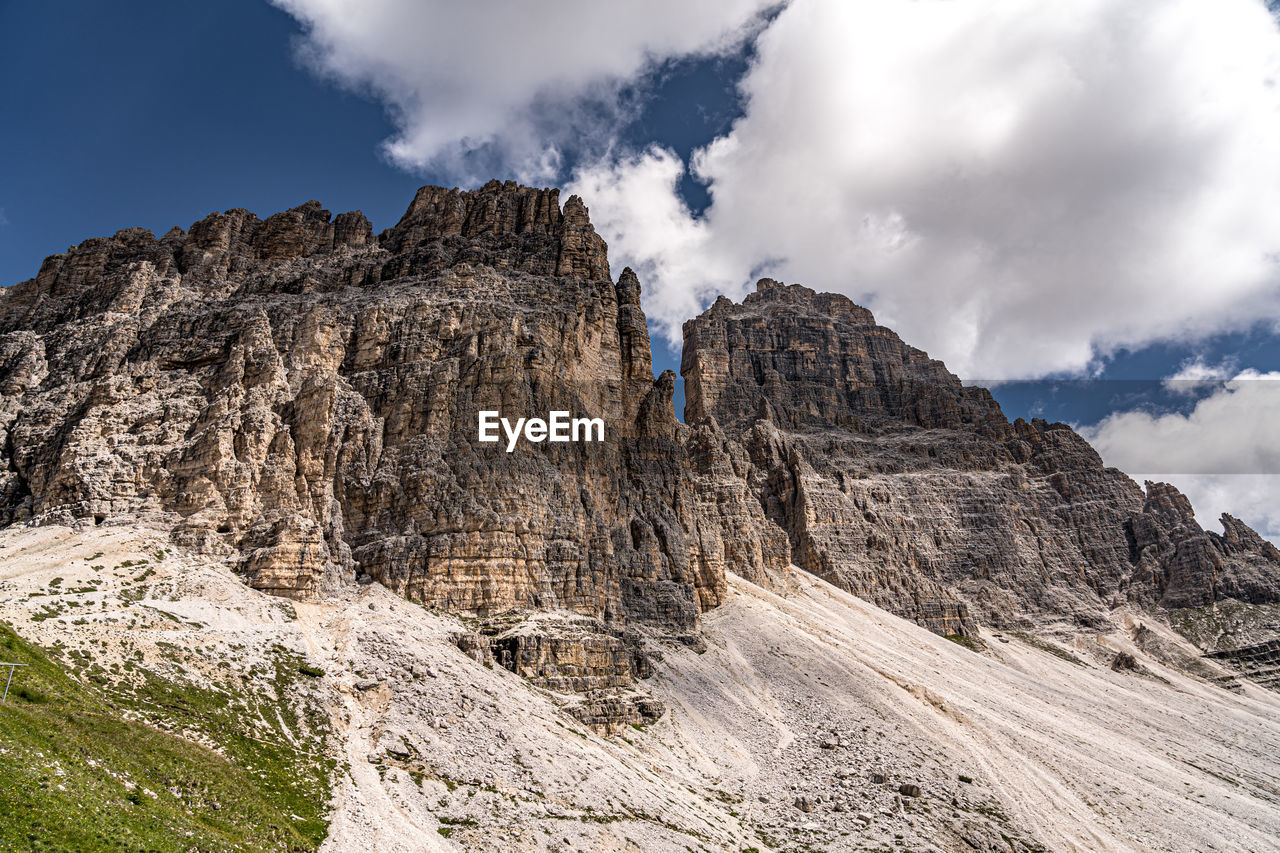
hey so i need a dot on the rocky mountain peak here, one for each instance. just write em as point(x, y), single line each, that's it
point(1240, 537)
point(301, 396)
point(517, 227)
point(770, 293)
point(1166, 502)
point(817, 361)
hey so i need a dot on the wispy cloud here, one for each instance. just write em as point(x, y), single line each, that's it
point(1196, 375)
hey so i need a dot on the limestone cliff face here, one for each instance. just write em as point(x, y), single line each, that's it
point(302, 395)
point(801, 359)
point(883, 474)
point(1180, 564)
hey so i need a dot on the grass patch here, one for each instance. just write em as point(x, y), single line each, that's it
point(1046, 646)
point(48, 611)
point(971, 643)
point(1226, 624)
point(82, 772)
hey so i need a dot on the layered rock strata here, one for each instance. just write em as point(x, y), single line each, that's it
point(302, 395)
point(1260, 663)
point(1180, 564)
point(593, 666)
point(884, 474)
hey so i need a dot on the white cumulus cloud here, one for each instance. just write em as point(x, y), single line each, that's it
point(505, 84)
point(635, 204)
point(1015, 186)
point(1224, 454)
point(1197, 370)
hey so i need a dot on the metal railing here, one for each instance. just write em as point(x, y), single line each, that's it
point(9, 680)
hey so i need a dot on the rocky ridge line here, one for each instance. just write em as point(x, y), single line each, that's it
point(888, 477)
point(297, 394)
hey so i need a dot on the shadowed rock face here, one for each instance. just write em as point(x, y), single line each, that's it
point(886, 476)
point(303, 395)
point(1179, 564)
point(801, 359)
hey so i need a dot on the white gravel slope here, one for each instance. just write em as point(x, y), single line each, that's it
point(1077, 756)
point(773, 738)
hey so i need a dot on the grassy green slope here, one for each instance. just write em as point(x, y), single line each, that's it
point(79, 770)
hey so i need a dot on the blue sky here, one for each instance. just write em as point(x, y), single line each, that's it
point(155, 114)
